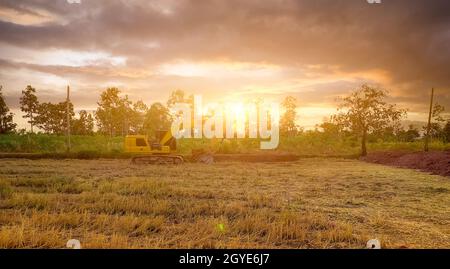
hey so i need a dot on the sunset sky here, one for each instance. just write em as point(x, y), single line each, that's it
point(314, 50)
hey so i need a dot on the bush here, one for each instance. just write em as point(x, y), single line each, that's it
point(44, 143)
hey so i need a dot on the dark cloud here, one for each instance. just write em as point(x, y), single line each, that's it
point(410, 34)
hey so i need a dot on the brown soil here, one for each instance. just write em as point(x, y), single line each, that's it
point(436, 162)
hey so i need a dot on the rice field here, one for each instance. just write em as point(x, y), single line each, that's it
point(310, 203)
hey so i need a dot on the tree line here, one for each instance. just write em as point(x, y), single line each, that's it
point(51, 118)
point(364, 113)
point(115, 114)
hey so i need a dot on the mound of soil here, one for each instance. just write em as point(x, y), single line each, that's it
point(436, 162)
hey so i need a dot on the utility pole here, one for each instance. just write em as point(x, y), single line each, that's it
point(68, 119)
point(427, 137)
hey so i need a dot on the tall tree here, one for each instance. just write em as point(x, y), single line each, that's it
point(438, 110)
point(137, 117)
point(157, 118)
point(125, 115)
point(84, 125)
point(29, 105)
point(365, 111)
point(111, 112)
point(52, 118)
point(6, 118)
point(288, 127)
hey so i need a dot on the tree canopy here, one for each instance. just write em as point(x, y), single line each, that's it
point(157, 118)
point(288, 127)
point(365, 111)
point(6, 118)
point(29, 105)
point(84, 125)
point(52, 118)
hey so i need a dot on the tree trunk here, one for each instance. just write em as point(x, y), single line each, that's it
point(363, 143)
point(31, 122)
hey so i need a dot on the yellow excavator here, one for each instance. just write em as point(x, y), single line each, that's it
point(162, 150)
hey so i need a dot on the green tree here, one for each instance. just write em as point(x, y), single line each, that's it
point(438, 110)
point(447, 132)
point(409, 135)
point(137, 117)
point(111, 113)
point(157, 118)
point(437, 123)
point(84, 125)
point(288, 127)
point(6, 118)
point(125, 115)
point(29, 104)
point(330, 128)
point(52, 118)
point(365, 111)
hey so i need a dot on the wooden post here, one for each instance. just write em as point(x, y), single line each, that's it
point(427, 137)
point(68, 119)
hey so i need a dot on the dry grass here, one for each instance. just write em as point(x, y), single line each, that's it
point(312, 203)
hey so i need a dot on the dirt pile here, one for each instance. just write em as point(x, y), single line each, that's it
point(436, 162)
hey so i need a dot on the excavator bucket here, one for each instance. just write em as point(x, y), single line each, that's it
point(202, 156)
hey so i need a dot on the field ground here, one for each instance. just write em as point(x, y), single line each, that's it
point(311, 203)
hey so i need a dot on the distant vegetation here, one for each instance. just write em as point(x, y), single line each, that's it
point(309, 143)
point(364, 121)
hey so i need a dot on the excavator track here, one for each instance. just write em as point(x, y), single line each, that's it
point(158, 159)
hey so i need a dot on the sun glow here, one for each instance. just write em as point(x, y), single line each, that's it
point(236, 110)
point(230, 120)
